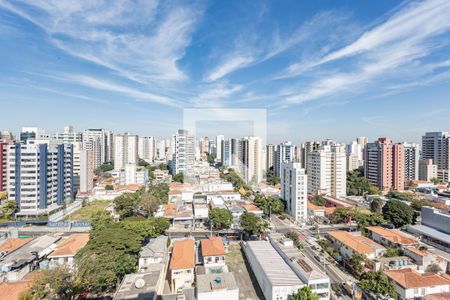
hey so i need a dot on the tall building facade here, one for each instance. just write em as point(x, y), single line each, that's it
point(412, 155)
point(68, 136)
point(7, 136)
point(204, 147)
point(33, 133)
point(184, 153)
point(125, 150)
point(284, 152)
point(327, 171)
point(229, 152)
point(270, 156)
point(219, 140)
point(294, 190)
point(308, 148)
point(436, 146)
point(147, 148)
point(427, 170)
point(100, 142)
point(251, 159)
point(3, 166)
point(86, 173)
point(354, 152)
point(385, 164)
point(40, 176)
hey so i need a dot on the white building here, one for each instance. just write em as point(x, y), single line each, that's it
point(154, 253)
point(182, 265)
point(412, 154)
point(275, 277)
point(125, 150)
point(251, 159)
point(294, 191)
point(133, 174)
point(183, 157)
point(33, 133)
point(100, 142)
point(436, 146)
point(219, 140)
point(213, 254)
point(327, 171)
point(161, 152)
point(68, 136)
point(270, 156)
point(284, 152)
point(354, 152)
point(40, 176)
point(147, 148)
point(86, 174)
point(217, 286)
point(427, 170)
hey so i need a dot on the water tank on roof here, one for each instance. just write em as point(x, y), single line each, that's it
point(218, 280)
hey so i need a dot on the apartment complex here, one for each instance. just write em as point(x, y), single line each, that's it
point(184, 153)
point(412, 155)
point(125, 150)
point(100, 142)
point(147, 148)
point(270, 156)
point(40, 175)
point(251, 159)
point(327, 171)
point(294, 191)
point(385, 164)
point(284, 152)
point(436, 146)
point(3, 166)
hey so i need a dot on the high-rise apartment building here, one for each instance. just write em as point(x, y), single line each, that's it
point(412, 155)
point(100, 142)
point(436, 146)
point(294, 190)
point(251, 159)
point(3, 165)
point(7, 136)
point(125, 150)
point(204, 147)
point(40, 175)
point(327, 171)
point(355, 156)
point(284, 152)
point(229, 152)
point(68, 136)
point(427, 170)
point(147, 148)
point(161, 152)
point(219, 140)
point(183, 157)
point(298, 153)
point(308, 148)
point(86, 173)
point(385, 164)
point(270, 156)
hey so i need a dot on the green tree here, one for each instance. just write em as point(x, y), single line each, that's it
point(221, 218)
point(149, 203)
point(252, 224)
point(393, 252)
point(398, 213)
point(143, 163)
point(364, 220)
point(8, 209)
point(400, 196)
point(377, 283)
point(146, 228)
point(178, 177)
point(126, 204)
point(417, 204)
point(109, 187)
point(59, 283)
point(294, 239)
point(376, 205)
point(435, 180)
point(271, 178)
point(110, 254)
point(357, 263)
point(319, 200)
point(100, 220)
point(210, 158)
point(161, 192)
point(3, 195)
point(305, 293)
point(358, 185)
point(342, 215)
point(105, 167)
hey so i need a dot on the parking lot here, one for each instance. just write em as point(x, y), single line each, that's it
point(248, 286)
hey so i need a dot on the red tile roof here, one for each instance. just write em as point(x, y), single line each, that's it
point(392, 235)
point(409, 278)
point(183, 254)
point(13, 244)
point(71, 245)
point(213, 246)
point(360, 244)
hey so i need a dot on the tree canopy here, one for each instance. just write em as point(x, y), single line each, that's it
point(305, 293)
point(319, 200)
point(252, 224)
point(265, 203)
point(377, 283)
point(398, 213)
point(221, 218)
point(161, 192)
point(400, 196)
point(126, 204)
point(358, 185)
point(178, 177)
point(145, 228)
point(8, 209)
point(271, 178)
point(376, 205)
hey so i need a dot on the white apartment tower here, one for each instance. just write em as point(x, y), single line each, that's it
point(251, 159)
point(427, 170)
point(147, 148)
point(284, 153)
point(219, 140)
point(270, 156)
point(327, 171)
point(183, 157)
point(412, 154)
point(40, 175)
point(436, 146)
point(125, 150)
point(100, 142)
point(68, 136)
point(294, 191)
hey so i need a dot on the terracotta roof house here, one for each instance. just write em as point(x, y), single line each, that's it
point(213, 253)
point(411, 284)
point(390, 237)
point(182, 264)
point(12, 244)
point(348, 244)
point(67, 249)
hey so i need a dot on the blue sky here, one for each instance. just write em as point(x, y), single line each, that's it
point(322, 69)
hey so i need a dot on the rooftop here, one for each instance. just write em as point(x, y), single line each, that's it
point(408, 278)
point(417, 251)
point(213, 246)
point(251, 207)
point(71, 245)
point(183, 254)
point(208, 283)
point(327, 210)
point(428, 231)
point(155, 248)
point(12, 244)
point(276, 269)
point(360, 244)
point(138, 286)
point(392, 235)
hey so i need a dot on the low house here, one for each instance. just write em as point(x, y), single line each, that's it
point(319, 211)
point(66, 250)
point(155, 252)
point(182, 264)
point(390, 237)
point(213, 253)
point(217, 286)
point(251, 208)
point(424, 258)
point(140, 286)
point(411, 284)
point(348, 244)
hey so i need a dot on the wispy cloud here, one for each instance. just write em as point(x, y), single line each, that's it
point(131, 38)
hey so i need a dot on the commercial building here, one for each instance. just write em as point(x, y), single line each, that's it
point(385, 164)
point(275, 277)
point(183, 157)
point(427, 170)
point(229, 150)
point(68, 136)
point(327, 171)
point(294, 190)
point(284, 152)
point(125, 150)
point(348, 244)
point(412, 155)
point(306, 270)
point(251, 159)
point(147, 148)
point(411, 284)
point(182, 265)
point(40, 176)
point(100, 142)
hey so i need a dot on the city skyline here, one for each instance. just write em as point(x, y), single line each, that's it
point(328, 70)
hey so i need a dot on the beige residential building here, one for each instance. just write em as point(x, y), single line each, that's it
point(251, 159)
point(427, 170)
